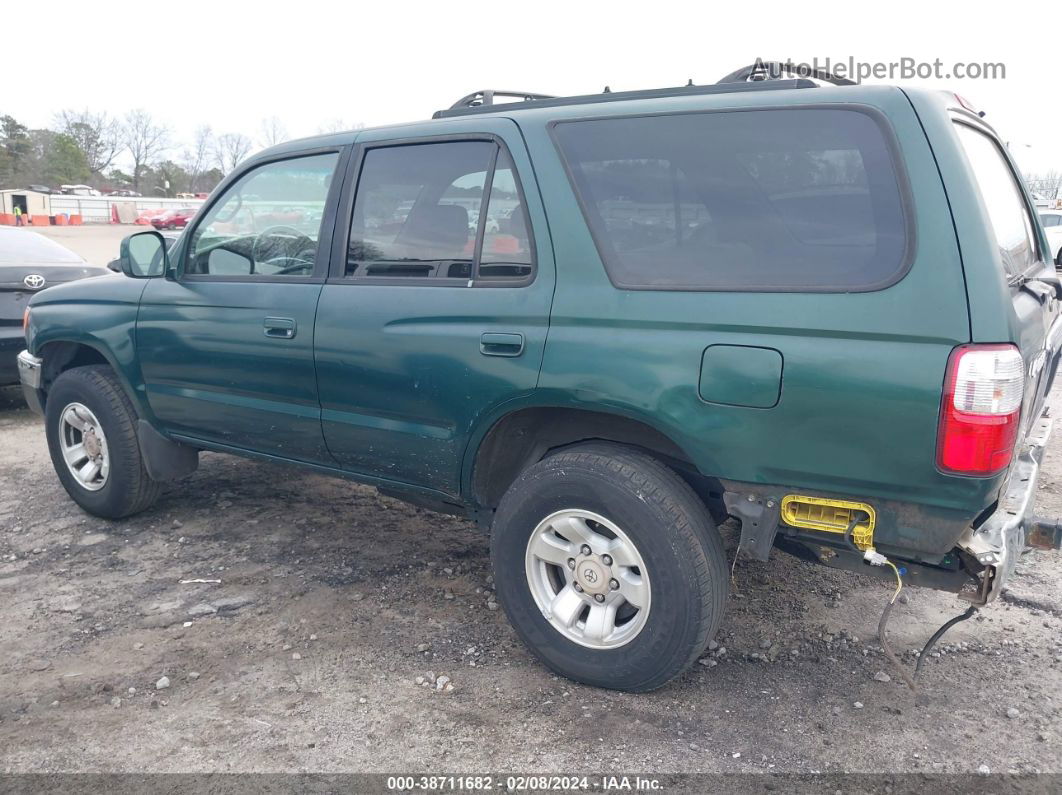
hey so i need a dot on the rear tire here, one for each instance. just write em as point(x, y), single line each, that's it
point(93, 397)
point(605, 497)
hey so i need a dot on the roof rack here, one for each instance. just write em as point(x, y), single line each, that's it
point(766, 70)
point(478, 99)
point(469, 104)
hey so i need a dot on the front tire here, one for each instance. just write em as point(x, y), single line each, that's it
point(649, 584)
point(90, 424)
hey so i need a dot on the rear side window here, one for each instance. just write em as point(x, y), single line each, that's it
point(1007, 213)
point(772, 200)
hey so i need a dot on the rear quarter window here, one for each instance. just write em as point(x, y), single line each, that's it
point(1008, 214)
point(806, 199)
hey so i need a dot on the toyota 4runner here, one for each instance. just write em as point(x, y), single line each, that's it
point(600, 325)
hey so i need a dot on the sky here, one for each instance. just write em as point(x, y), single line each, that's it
point(311, 63)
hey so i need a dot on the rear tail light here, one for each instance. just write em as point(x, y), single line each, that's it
point(981, 409)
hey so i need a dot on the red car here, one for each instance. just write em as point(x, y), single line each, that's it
point(173, 219)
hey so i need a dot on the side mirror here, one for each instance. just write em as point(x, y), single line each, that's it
point(144, 256)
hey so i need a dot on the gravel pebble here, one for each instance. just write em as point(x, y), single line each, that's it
point(163, 683)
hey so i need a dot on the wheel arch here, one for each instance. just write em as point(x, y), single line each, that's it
point(526, 434)
point(60, 355)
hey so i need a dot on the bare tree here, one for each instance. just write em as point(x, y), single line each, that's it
point(273, 132)
point(230, 149)
point(96, 134)
point(1048, 184)
point(198, 157)
point(338, 125)
point(145, 140)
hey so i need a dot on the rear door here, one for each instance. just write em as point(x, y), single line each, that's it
point(436, 309)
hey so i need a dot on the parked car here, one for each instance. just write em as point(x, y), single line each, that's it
point(824, 311)
point(174, 219)
point(1052, 223)
point(29, 263)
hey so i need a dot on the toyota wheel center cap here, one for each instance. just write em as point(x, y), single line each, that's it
point(591, 576)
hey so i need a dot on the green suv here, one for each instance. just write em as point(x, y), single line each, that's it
point(600, 326)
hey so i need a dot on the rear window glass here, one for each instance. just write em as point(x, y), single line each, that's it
point(803, 199)
point(1002, 198)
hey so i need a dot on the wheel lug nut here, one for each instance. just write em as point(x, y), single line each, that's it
point(613, 584)
point(600, 597)
point(586, 549)
point(606, 559)
point(577, 587)
point(571, 563)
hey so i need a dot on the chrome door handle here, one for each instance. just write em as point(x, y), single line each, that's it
point(281, 328)
point(500, 344)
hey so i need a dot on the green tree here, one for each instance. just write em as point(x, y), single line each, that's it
point(16, 150)
point(119, 179)
point(61, 159)
point(97, 135)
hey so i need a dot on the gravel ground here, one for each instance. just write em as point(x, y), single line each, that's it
point(260, 618)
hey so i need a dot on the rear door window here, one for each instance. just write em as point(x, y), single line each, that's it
point(450, 212)
point(1007, 212)
point(774, 200)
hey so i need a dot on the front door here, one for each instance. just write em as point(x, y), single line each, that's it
point(436, 309)
point(226, 345)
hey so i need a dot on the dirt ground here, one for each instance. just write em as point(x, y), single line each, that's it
point(339, 599)
point(324, 602)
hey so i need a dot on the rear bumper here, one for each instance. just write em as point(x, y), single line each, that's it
point(999, 541)
point(11, 342)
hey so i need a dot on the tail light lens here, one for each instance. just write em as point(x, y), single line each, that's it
point(981, 409)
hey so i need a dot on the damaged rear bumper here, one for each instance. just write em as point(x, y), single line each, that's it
point(998, 542)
